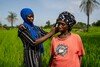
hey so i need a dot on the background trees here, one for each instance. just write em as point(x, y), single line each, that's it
point(12, 17)
point(88, 6)
point(96, 23)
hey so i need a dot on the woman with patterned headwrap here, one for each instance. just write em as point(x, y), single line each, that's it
point(32, 38)
point(67, 48)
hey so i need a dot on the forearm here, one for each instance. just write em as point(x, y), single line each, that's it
point(39, 40)
point(42, 39)
point(28, 38)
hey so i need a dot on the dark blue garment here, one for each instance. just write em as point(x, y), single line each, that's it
point(33, 30)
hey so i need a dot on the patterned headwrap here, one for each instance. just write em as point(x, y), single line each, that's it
point(68, 18)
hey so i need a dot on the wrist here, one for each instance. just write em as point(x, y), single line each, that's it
point(51, 33)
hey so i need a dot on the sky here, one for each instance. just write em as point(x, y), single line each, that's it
point(45, 10)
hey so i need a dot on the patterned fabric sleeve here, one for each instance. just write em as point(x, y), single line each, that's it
point(23, 34)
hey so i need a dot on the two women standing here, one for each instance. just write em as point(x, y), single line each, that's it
point(66, 49)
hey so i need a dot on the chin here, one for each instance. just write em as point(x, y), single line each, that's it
point(60, 30)
point(31, 21)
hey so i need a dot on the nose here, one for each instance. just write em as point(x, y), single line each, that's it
point(31, 18)
point(60, 25)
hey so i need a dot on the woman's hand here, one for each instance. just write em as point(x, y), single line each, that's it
point(54, 30)
point(21, 27)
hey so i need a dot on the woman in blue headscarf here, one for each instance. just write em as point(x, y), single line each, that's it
point(32, 38)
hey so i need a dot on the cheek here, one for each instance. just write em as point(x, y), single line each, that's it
point(27, 18)
point(62, 28)
point(65, 28)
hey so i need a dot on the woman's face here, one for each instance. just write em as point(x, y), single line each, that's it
point(30, 18)
point(62, 26)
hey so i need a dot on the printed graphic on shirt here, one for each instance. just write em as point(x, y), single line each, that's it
point(61, 49)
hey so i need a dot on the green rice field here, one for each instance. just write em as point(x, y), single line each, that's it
point(11, 48)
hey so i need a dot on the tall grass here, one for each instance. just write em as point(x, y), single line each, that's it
point(91, 42)
point(11, 48)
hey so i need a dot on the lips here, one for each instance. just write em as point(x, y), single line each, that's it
point(60, 29)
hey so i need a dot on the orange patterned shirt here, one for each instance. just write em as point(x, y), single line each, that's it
point(66, 52)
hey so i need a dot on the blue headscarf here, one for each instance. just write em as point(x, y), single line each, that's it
point(33, 30)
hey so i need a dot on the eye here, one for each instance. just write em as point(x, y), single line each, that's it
point(31, 15)
point(63, 24)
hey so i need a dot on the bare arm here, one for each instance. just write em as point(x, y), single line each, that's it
point(27, 36)
point(42, 39)
point(45, 37)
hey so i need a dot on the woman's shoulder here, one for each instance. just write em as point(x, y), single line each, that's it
point(75, 35)
point(54, 37)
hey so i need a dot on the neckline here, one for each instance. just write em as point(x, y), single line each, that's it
point(67, 37)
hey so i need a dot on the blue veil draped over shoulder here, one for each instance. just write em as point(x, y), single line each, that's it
point(33, 30)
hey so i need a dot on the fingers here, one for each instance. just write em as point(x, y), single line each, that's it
point(54, 29)
point(22, 27)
